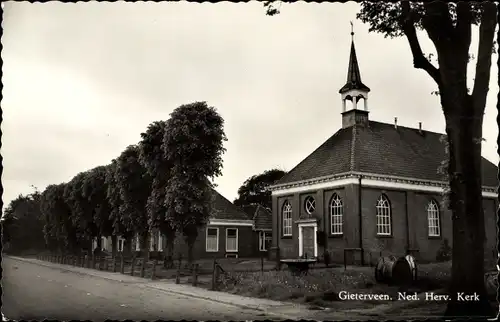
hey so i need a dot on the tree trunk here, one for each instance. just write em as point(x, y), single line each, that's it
point(464, 130)
point(190, 240)
point(168, 249)
point(145, 245)
point(114, 245)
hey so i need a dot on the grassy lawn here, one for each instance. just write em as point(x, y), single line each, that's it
point(321, 286)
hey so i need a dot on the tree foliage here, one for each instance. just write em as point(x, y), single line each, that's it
point(81, 211)
point(134, 184)
point(96, 191)
point(193, 145)
point(59, 228)
point(22, 225)
point(254, 189)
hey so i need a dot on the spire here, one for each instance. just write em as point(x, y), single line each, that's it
point(353, 74)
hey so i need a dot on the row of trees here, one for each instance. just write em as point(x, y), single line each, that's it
point(163, 183)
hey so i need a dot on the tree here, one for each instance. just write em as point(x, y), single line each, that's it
point(134, 184)
point(81, 210)
point(449, 27)
point(254, 189)
point(59, 229)
point(22, 224)
point(116, 217)
point(95, 190)
point(151, 157)
point(193, 148)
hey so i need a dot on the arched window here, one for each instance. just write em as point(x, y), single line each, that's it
point(383, 216)
point(336, 214)
point(433, 219)
point(287, 219)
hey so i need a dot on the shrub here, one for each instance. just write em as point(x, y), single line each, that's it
point(444, 252)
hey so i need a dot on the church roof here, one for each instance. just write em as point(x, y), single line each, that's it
point(353, 74)
point(381, 149)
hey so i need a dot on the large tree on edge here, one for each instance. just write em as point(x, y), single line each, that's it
point(449, 27)
point(193, 145)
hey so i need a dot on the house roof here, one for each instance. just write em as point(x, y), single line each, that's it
point(353, 74)
point(382, 149)
point(225, 209)
point(261, 216)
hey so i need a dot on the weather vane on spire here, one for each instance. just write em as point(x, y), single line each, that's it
point(352, 31)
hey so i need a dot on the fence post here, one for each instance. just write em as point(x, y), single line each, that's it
point(262, 263)
point(106, 264)
point(195, 274)
point(114, 264)
point(92, 262)
point(345, 263)
point(133, 266)
point(143, 266)
point(122, 264)
point(153, 269)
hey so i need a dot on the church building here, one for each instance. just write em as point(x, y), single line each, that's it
point(371, 189)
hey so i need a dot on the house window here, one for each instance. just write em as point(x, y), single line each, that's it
point(153, 241)
point(383, 216)
point(160, 242)
point(433, 219)
point(137, 243)
point(231, 240)
point(121, 243)
point(310, 205)
point(212, 240)
point(336, 215)
point(264, 240)
point(103, 243)
point(287, 219)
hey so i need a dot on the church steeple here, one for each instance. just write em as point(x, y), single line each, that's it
point(353, 91)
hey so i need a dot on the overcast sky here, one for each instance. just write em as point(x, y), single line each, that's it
point(83, 80)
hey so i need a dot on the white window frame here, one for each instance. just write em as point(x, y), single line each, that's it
point(206, 239)
point(384, 216)
point(122, 242)
point(160, 242)
point(287, 215)
point(103, 243)
point(262, 241)
point(137, 243)
point(310, 205)
point(336, 215)
point(237, 235)
point(433, 219)
point(151, 241)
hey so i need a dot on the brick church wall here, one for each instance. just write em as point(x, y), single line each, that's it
point(407, 230)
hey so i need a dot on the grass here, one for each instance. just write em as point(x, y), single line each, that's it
point(321, 286)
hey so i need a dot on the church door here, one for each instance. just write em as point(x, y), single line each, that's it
point(308, 242)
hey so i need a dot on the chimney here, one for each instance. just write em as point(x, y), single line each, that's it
point(420, 127)
point(396, 123)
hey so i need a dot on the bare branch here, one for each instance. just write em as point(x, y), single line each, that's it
point(485, 49)
point(419, 60)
